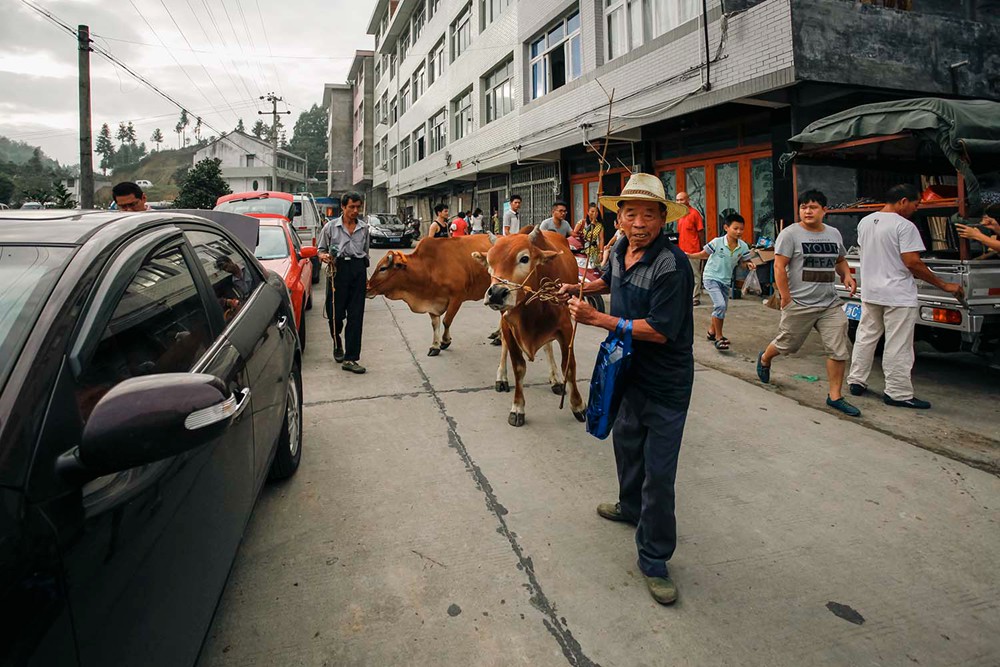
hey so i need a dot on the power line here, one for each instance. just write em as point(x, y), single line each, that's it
point(267, 41)
point(252, 55)
point(246, 30)
point(205, 69)
point(236, 38)
point(222, 61)
point(224, 42)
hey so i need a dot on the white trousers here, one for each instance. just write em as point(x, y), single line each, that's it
point(897, 323)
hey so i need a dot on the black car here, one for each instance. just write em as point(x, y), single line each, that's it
point(388, 230)
point(149, 385)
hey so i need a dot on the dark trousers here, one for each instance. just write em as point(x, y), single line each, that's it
point(348, 302)
point(647, 439)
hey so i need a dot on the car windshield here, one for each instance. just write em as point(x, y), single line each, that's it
point(271, 243)
point(27, 276)
point(272, 205)
point(384, 220)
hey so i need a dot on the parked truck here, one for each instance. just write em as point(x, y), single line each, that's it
point(951, 150)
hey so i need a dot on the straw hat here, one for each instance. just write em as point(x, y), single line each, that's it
point(645, 187)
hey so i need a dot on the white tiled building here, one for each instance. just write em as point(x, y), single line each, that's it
point(247, 164)
point(475, 100)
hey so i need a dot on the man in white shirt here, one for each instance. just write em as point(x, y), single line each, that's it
point(511, 218)
point(890, 262)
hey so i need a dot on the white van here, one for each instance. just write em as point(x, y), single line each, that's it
point(307, 223)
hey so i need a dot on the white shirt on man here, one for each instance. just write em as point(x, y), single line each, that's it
point(512, 221)
point(885, 280)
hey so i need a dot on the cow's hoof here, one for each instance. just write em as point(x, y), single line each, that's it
point(445, 346)
point(516, 419)
point(496, 342)
point(559, 389)
point(580, 416)
point(502, 386)
point(433, 352)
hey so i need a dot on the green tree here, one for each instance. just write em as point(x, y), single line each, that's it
point(130, 133)
point(122, 134)
point(157, 138)
point(105, 148)
point(181, 126)
point(275, 130)
point(202, 185)
point(7, 188)
point(240, 127)
point(259, 129)
point(197, 130)
point(309, 138)
point(62, 197)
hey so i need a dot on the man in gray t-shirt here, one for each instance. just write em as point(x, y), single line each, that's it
point(512, 217)
point(557, 223)
point(808, 260)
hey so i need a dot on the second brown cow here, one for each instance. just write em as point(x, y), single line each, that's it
point(518, 264)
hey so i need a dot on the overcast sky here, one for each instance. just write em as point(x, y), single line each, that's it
point(312, 42)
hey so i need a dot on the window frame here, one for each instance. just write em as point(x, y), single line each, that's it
point(435, 62)
point(418, 81)
point(405, 155)
point(490, 11)
point(417, 27)
point(404, 98)
point(462, 110)
point(437, 133)
point(419, 137)
point(490, 86)
point(544, 54)
point(462, 23)
point(393, 152)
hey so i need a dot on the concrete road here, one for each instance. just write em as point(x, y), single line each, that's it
point(421, 529)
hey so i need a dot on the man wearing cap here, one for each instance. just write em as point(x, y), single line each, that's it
point(651, 282)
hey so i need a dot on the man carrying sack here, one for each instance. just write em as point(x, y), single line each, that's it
point(650, 281)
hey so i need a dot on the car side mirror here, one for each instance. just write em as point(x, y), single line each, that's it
point(150, 418)
point(307, 251)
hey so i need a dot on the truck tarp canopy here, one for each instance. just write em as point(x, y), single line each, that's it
point(964, 130)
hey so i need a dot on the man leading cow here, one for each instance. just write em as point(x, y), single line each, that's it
point(651, 283)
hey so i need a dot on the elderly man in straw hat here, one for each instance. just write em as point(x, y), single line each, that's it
point(651, 282)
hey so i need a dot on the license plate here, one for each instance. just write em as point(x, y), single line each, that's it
point(853, 311)
point(394, 239)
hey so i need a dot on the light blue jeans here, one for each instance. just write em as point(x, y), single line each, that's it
point(719, 293)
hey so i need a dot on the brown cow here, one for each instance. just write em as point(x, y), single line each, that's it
point(435, 278)
point(518, 263)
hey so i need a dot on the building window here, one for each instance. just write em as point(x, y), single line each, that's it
point(404, 45)
point(378, 154)
point(392, 160)
point(392, 65)
point(359, 115)
point(439, 131)
point(378, 112)
point(419, 144)
point(461, 33)
point(385, 108)
point(668, 14)
point(461, 111)
point(404, 98)
point(385, 150)
point(418, 24)
point(435, 63)
point(499, 92)
point(629, 25)
point(418, 82)
point(556, 56)
point(404, 153)
point(432, 8)
point(489, 10)
point(393, 112)
point(378, 70)
point(361, 154)
point(250, 160)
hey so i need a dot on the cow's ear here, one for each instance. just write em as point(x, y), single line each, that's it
point(481, 258)
point(547, 255)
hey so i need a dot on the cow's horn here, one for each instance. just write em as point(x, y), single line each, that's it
point(493, 238)
point(535, 234)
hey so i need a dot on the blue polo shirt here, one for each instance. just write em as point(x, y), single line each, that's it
point(657, 289)
point(722, 261)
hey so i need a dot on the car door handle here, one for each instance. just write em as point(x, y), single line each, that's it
point(282, 322)
point(231, 408)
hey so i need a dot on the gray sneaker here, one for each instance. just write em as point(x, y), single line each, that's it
point(663, 589)
point(353, 366)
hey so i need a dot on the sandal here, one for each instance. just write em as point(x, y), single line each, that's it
point(710, 336)
point(722, 344)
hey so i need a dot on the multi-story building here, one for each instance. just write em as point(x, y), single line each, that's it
point(338, 99)
point(475, 100)
point(249, 164)
point(361, 78)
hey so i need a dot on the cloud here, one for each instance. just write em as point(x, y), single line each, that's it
point(221, 79)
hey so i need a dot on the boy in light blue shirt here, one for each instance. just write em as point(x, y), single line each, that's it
point(723, 253)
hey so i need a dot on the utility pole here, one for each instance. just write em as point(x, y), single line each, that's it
point(86, 140)
point(274, 113)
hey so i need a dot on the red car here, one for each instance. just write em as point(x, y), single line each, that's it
point(279, 250)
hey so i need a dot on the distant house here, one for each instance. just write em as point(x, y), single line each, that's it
point(247, 164)
point(72, 184)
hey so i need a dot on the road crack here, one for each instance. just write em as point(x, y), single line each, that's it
point(555, 625)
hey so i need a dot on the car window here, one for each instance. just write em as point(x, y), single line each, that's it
point(158, 326)
point(227, 269)
point(297, 244)
point(27, 276)
point(271, 243)
point(273, 205)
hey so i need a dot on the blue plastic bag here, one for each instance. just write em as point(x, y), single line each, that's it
point(606, 384)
